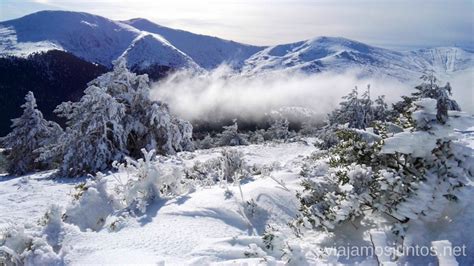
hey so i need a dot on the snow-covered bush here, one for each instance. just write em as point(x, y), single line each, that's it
point(328, 136)
point(406, 175)
point(278, 130)
point(361, 112)
point(230, 136)
point(206, 143)
point(98, 203)
point(29, 133)
point(274, 240)
point(431, 150)
point(147, 182)
point(53, 226)
point(38, 245)
point(310, 127)
point(233, 165)
point(229, 167)
point(205, 173)
point(337, 197)
point(279, 242)
point(23, 248)
point(257, 136)
point(265, 170)
point(354, 112)
point(92, 206)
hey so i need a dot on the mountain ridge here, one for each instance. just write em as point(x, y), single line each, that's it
point(100, 40)
point(146, 44)
point(338, 54)
point(197, 46)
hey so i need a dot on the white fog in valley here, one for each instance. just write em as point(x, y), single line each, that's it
point(223, 94)
point(463, 90)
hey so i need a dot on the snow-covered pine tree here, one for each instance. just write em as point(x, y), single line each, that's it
point(309, 127)
point(116, 117)
point(29, 132)
point(366, 107)
point(231, 136)
point(445, 103)
point(353, 110)
point(257, 136)
point(94, 136)
point(430, 88)
point(360, 112)
point(380, 109)
point(278, 130)
point(206, 143)
point(147, 123)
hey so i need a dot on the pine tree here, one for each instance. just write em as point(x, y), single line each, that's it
point(95, 136)
point(206, 143)
point(231, 136)
point(29, 133)
point(147, 123)
point(366, 107)
point(380, 109)
point(430, 88)
point(116, 118)
point(278, 129)
point(445, 103)
point(354, 111)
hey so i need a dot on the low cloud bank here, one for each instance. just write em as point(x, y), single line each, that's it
point(463, 89)
point(222, 94)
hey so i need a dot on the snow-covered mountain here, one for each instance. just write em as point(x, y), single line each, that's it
point(151, 49)
point(100, 40)
point(447, 59)
point(340, 54)
point(93, 38)
point(146, 45)
point(208, 52)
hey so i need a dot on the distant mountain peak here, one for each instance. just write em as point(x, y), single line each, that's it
point(338, 54)
point(149, 49)
point(207, 51)
point(144, 43)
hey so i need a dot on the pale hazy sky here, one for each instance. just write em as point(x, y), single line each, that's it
point(399, 24)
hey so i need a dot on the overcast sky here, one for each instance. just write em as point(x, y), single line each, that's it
point(397, 24)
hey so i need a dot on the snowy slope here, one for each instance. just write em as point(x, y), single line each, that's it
point(93, 38)
point(209, 52)
point(447, 59)
point(206, 226)
point(200, 227)
point(320, 53)
point(340, 54)
point(151, 49)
